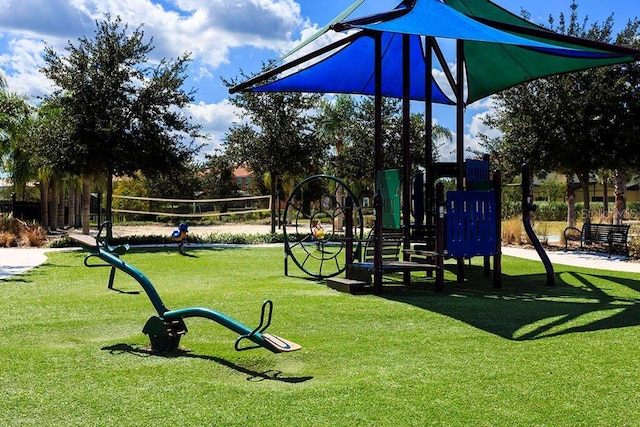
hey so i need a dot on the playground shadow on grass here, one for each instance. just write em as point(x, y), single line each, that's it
point(527, 309)
point(253, 376)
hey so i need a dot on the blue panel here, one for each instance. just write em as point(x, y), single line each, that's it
point(471, 223)
point(477, 170)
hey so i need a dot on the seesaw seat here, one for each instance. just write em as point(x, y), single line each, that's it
point(281, 344)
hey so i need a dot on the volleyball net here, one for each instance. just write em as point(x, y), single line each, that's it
point(190, 208)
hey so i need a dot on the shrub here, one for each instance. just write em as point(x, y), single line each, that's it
point(512, 230)
point(8, 240)
point(369, 220)
point(634, 248)
point(551, 211)
point(34, 236)
point(511, 209)
point(212, 238)
point(15, 232)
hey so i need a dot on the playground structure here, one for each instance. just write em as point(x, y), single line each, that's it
point(166, 329)
point(395, 52)
point(464, 225)
point(320, 212)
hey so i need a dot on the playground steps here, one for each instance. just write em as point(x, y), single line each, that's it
point(352, 286)
point(357, 281)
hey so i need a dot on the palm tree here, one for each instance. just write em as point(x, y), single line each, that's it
point(15, 124)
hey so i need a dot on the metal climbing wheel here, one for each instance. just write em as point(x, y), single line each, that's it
point(314, 225)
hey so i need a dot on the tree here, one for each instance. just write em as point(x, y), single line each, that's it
point(50, 151)
point(276, 137)
point(15, 124)
point(576, 123)
point(217, 178)
point(347, 124)
point(125, 115)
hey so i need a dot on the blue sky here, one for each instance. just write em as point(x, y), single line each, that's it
point(223, 36)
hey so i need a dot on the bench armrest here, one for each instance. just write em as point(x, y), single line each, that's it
point(571, 233)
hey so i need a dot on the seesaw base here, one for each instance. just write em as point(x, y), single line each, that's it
point(164, 335)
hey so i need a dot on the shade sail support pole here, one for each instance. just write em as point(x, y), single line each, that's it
point(379, 163)
point(460, 133)
point(443, 64)
point(428, 132)
point(406, 148)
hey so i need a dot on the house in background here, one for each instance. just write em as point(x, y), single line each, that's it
point(543, 188)
point(242, 178)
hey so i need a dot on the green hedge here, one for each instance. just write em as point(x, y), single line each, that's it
point(546, 211)
point(557, 211)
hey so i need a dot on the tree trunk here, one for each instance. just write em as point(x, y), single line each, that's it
point(72, 206)
point(86, 205)
point(109, 201)
point(78, 222)
point(44, 203)
point(571, 203)
point(586, 212)
point(605, 194)
point(55, 188)
point(274, 186)
point(620, 189)
point(61, 199)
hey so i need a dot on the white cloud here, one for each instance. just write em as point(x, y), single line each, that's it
point(440, 78)
point(476, 128)
point(21, 63)
point(216, 119)
point(482, 104)
point(206, 28)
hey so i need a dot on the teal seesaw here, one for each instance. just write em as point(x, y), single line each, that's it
point(166, 329)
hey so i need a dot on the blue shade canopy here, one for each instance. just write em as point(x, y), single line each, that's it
point(433, 18)
point(351, 70)
point(500, 50)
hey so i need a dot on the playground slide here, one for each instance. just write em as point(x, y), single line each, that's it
point(166, 329)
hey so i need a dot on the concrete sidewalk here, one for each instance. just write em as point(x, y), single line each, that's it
point(16, 261)
point(598, 261)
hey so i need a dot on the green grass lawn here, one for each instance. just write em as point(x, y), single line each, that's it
point(73, 354)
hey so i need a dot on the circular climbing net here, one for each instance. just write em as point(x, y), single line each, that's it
point(315, 225)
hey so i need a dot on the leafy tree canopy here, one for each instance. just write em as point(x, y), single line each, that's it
point(347, 124)
point(575, 123)
point(124, 113)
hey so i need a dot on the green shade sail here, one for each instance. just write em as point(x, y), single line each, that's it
point(493, 67)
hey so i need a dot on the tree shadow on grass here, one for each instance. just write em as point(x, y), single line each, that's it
point(253, 376)
point(526, 309)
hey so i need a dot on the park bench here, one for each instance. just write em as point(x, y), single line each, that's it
point(614, 237)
